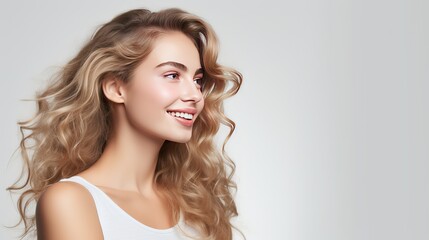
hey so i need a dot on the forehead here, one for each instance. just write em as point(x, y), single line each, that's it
point(176, 47)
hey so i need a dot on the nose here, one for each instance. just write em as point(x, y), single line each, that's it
point(190, 91)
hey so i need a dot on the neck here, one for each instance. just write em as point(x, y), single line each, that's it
point(128, 161)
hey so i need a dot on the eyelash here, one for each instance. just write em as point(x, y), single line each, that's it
point(198, 81)
point(171, 74)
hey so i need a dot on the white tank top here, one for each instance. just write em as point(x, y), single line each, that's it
point(117, 224)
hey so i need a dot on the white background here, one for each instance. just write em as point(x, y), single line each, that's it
point(332, 138)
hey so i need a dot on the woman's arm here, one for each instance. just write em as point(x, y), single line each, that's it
point(66, 211)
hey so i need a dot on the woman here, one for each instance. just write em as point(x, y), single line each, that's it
point(122, 145)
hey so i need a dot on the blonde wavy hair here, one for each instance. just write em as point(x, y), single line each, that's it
point(73, 122)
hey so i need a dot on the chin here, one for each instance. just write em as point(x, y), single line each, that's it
point(180, 139)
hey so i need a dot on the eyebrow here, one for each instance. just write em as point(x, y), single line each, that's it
point(179, 66)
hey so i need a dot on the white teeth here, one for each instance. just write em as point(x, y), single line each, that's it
point(182, 115)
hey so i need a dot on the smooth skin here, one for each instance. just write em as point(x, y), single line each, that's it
point(168, 79)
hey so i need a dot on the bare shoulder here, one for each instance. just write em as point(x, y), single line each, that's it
point(66, 210)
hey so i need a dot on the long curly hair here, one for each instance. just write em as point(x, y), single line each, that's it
point(73, 122)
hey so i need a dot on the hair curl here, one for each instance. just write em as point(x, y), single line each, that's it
point(73, 122)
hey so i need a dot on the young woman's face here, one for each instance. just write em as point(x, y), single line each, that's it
point(163, 98)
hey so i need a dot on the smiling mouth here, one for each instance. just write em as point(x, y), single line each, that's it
point(183, 115)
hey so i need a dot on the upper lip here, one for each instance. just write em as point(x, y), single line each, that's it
point(185, 110)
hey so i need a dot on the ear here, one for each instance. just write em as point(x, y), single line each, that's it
point(113, 89)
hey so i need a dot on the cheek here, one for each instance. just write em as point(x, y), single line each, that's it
point(200, 107)
point(163, 95)
point(153, 93)
point(201, 104)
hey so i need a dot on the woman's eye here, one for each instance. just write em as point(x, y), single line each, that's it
point(199, 82)
point(172, 75)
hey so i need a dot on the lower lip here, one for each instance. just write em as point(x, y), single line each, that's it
point(184, 122)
